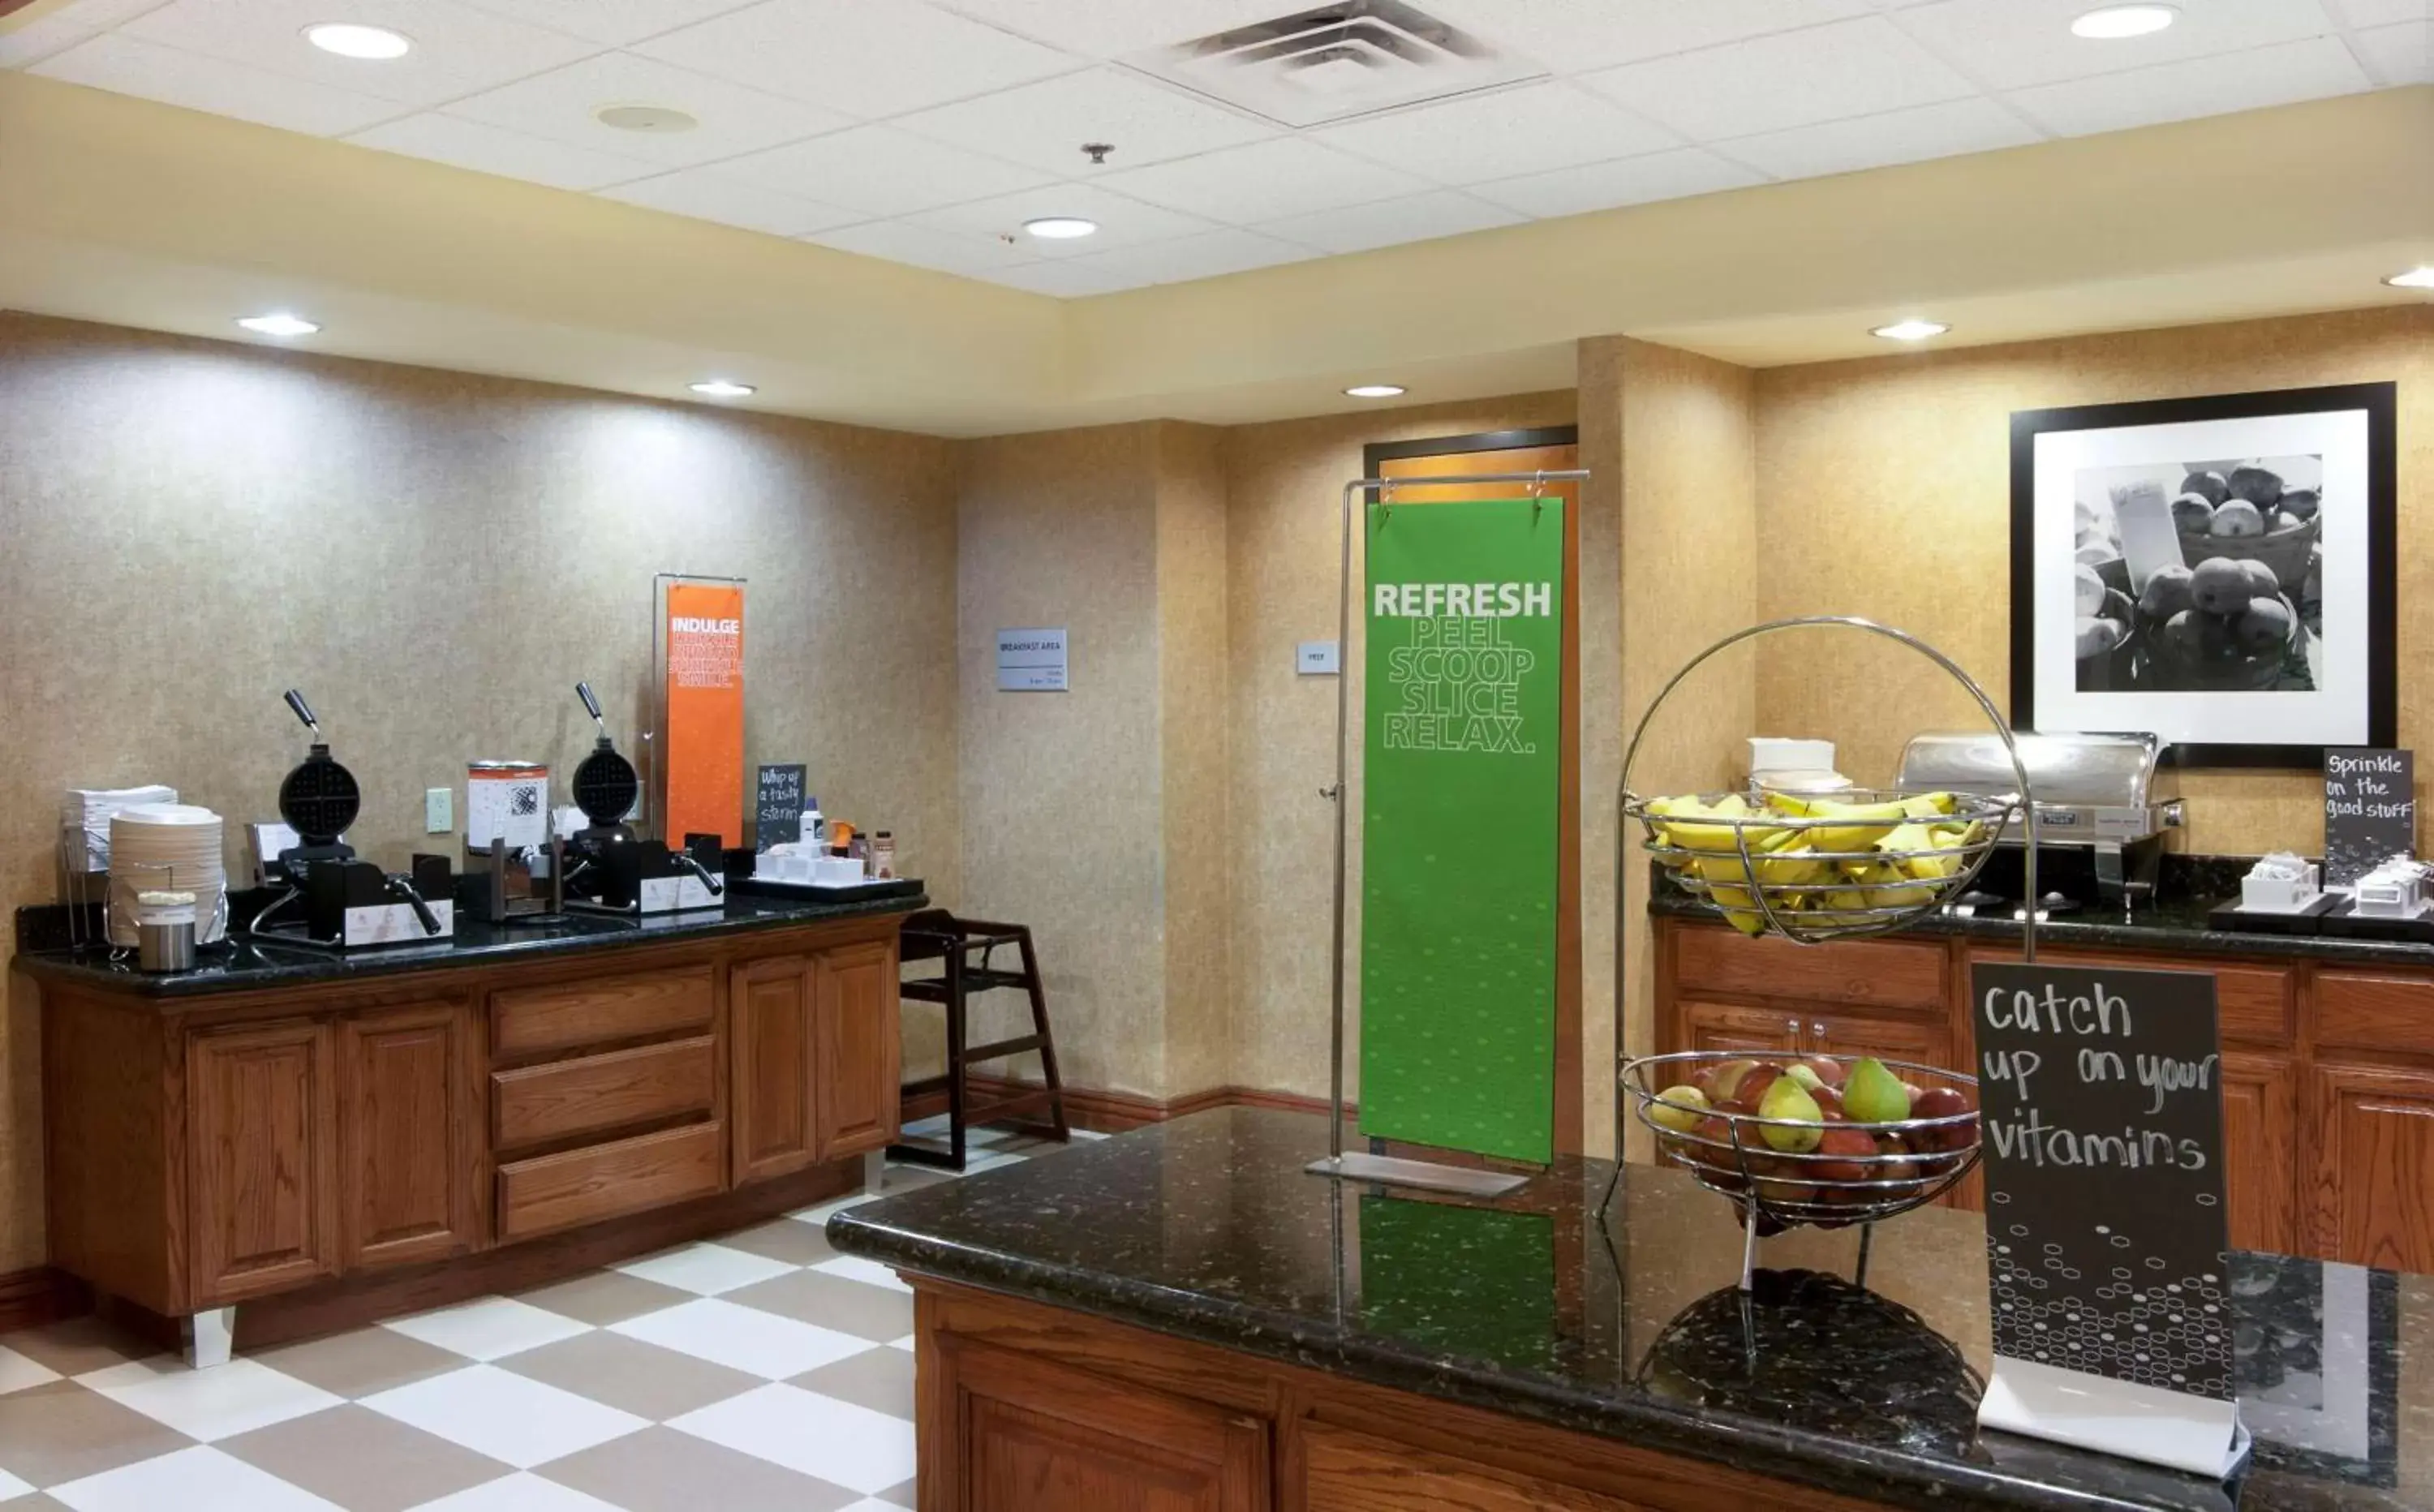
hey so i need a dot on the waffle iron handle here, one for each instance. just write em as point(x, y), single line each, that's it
point(591, 706)
point(304, 711)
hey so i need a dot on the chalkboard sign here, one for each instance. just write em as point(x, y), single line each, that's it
point(2370, 810)
point(778, 807)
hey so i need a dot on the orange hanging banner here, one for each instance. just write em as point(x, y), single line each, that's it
point(704, 751)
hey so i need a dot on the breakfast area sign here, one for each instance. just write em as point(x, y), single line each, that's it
point(2100, 1094)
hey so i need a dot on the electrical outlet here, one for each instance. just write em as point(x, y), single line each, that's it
point(438, 810)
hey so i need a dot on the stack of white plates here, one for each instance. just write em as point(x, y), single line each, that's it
point(165, 847)
point(85, 815)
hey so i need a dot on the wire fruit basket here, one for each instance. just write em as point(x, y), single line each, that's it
point(1823, 867)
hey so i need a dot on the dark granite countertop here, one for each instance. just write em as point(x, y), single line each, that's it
point(249, 965)
point(1208, 1229)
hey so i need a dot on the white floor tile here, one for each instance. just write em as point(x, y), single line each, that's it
point(507, 1417)
point(989, 1162)
point(17, 1372)
point(908, 1344)
point(870, 1272)
point(489, 1329)
point(817, 1216)
point(11, 1487)
point(1088, 1134)
point(811, 1435)
point(743, 1338)
point(519, 1492)
point(706, 1269)
point(211, 1404)
point(200, 1479)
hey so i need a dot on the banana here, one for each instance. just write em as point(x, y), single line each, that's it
point(1927, 804)
point(1856, 827)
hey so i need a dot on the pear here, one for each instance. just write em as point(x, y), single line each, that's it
point(1874, 1095)
point(1802, 1072)
point(1678, 1108)
point(1787, 1099)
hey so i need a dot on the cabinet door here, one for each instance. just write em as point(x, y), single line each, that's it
point(1925, 1042)
point(2260, 1136)
point(2375, 1167)
point(1727, 1026)
point(770, 1082)
point(856, 1091)
point(1038, 1437)
point(261, 1120)
point(409, 1142)
point(1344, 1471)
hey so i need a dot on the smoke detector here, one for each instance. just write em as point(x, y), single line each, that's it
point(1335, 62)
point(663, 119)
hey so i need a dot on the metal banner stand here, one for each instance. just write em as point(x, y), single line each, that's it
point(1361, 1166)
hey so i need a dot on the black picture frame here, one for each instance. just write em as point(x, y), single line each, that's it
point(2379, 400)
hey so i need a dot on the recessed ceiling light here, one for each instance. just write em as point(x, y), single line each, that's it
point(2113, 22)
point(2420, 276)
point(722, 388)
point(279, 323)
point(348, 39)
point(1911, 330)
point(657, 118)
point(1375, 390)
point(1061, 228)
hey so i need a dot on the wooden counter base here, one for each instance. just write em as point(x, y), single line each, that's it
point(1028, 1408)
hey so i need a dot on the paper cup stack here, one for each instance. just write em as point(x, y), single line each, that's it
point(159, 847)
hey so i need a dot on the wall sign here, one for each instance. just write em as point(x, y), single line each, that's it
point(1316, 658)
point(2101, 1114)
point(777, 806)
point(2370, 810)
point(1031, 661)
point(703, 653)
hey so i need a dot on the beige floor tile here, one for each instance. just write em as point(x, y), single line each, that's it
point(880, 1380)
point(360, 1362)
point(871, 1313)
point(904, 1495)
point(363, 1461)
point(630, 1375)
point(797, 1244)
point(660, 1469)
point(61, 1431)
point(603, 1297)
point(80, 1344)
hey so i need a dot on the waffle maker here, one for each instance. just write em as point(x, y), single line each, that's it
point(608, 867)
point(346, 902)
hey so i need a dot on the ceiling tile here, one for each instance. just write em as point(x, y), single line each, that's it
point(880, 171)
point(1500, 134)
point(1064, 278)
point(1264, 181)
point(2015, 44)
point(863, 57)
point(2307, 70)
point(614, 22)
point(457, 50)
point(1879, 141)
point(560, 105)
point(1122, 222)
point(902, 242)
point(704, 195)
point(509, 154)
point(1414, 218)
point(1045, 124)
point(1604, 185)
point(1774, 83)
point(54, 31)
point(124, 65)
point(1112, 28)
point(2384, 12)
point(2399, 55)
point(1570, 36)
point(1204, 256)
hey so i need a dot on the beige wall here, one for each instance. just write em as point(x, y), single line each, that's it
point(435, 558)
point(1194, 750)
point(1885, 492)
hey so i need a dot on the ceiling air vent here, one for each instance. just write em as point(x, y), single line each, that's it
point(1335, 62)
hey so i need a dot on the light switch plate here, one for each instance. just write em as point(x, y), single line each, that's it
point(438, 810)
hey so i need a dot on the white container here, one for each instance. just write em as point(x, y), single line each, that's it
point(2280, 894)
point(2395, 890)
point(1771, 754)
point(837, 871)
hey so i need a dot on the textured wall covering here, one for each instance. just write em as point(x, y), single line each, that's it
point(1886, 493)
point(1194, 747)
point(435, 558)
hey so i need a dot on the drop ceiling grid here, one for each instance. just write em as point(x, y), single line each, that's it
point(926, 131)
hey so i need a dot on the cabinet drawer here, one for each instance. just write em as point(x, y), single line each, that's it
point(2374, 1013)
point(1880, 973)
point(2254, 1003)
point(603, 1181)
point(564, 1015)
point(601, 1091)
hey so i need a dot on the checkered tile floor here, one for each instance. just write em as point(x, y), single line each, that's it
point(756, 1372)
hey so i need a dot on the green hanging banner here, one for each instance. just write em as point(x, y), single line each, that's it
point(1461, 780)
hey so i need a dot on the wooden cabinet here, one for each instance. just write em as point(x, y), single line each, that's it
point(770, 1031)
point(1726, 1027)
point(2374, 1175)
point(1343, 1470)
point(856, 1049)
point(2260, 1136)
point(1921, 1041)
point(261, 1134)
point(1039, 1437)
point(409, 1142)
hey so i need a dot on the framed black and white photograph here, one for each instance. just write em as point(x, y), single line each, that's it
point(2218, 570)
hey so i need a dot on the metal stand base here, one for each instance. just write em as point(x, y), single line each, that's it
point(1426, 1175)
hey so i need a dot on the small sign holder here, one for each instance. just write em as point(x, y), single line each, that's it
point(2107, 1248)
point(777, 806)
point(2370, 810)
